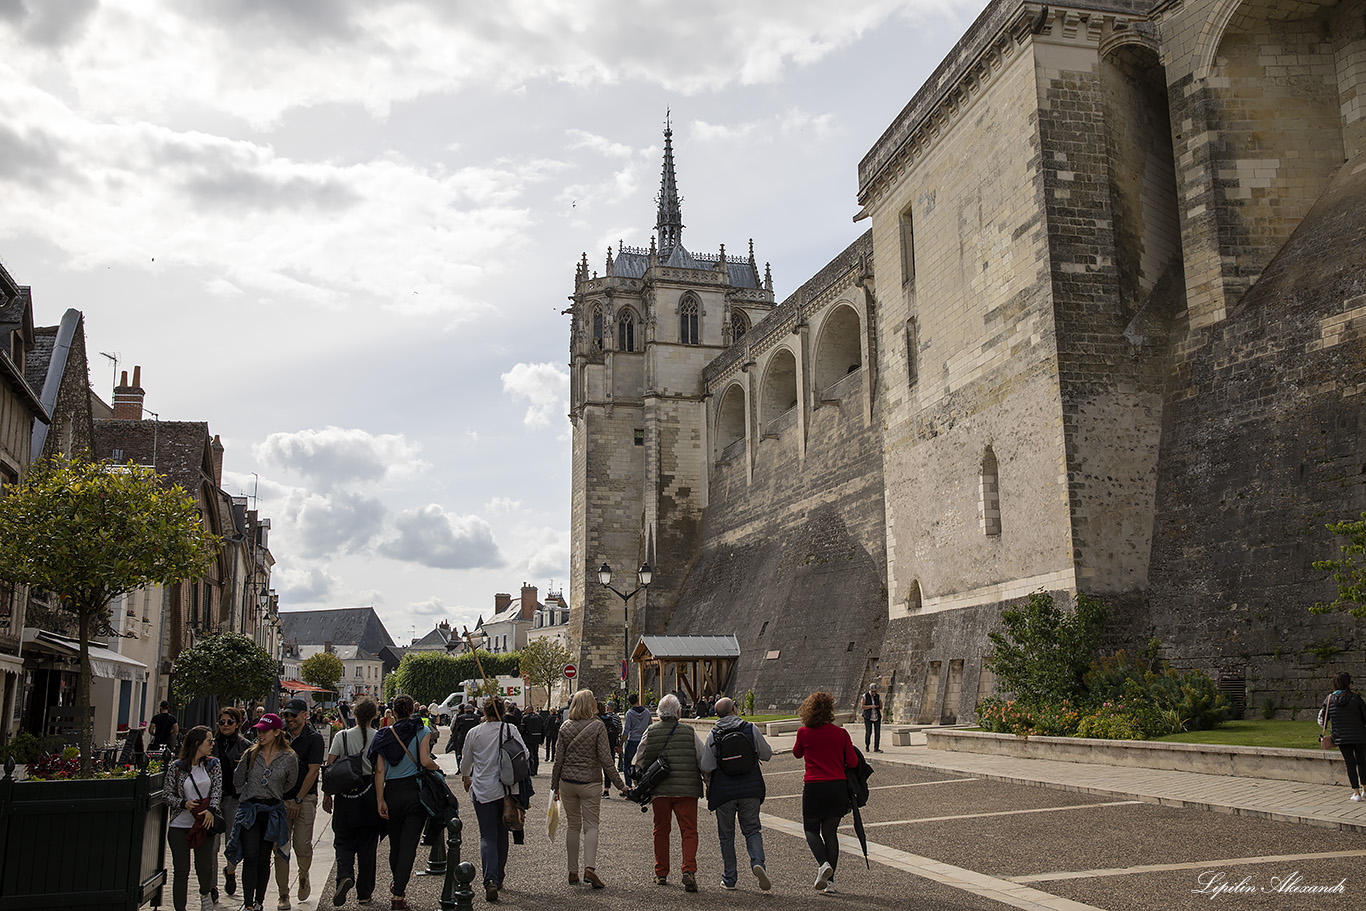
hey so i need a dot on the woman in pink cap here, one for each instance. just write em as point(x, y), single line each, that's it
point(265, 772)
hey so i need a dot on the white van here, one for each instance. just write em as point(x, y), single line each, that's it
point(448, 707)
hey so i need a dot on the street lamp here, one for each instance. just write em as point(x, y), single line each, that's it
point(605, 577)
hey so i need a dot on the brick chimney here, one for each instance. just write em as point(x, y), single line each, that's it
point(528, 601)
point(128, 399)
point(217, 448)
point(501, 602)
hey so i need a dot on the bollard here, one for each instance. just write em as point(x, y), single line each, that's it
point(456, 892)
point(436, 860)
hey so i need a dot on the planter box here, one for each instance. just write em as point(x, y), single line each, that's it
point(98, 845)
point(1307, 766)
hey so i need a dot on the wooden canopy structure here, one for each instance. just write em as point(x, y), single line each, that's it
point(701, 664)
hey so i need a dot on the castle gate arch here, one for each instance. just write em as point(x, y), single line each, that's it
point(730, 419)
point(839, 351)
point(779, 391)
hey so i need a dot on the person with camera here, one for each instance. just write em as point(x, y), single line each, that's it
point(356, 824)
point(583, 758)
point(677, 795)
point(194, 792)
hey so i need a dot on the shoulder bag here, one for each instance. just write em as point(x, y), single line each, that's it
point(1325, 738)
point(347, 774)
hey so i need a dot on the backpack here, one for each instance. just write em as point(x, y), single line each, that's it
point(533, 725)
point(735, 750)
point(514, 764)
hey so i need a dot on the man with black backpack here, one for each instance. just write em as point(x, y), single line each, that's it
point(731, 755)
point(466, 720)
point(533, 730)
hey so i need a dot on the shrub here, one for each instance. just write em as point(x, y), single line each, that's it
point(1042, 654)
point(26, 748)
point(1162, 699)
point(1111, 722)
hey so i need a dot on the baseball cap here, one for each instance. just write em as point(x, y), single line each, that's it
point(296, 707)
point(269, 722)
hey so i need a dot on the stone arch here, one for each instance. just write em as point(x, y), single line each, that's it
point(730, 417)
point(779, 392)
point(839, 351)
point(915, 600)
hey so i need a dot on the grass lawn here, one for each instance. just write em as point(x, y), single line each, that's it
point(1259, 733)
point(759, 719)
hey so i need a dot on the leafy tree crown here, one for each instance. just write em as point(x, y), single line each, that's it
point(323, 669)
point(229, 666)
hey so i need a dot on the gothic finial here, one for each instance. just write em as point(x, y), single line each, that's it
point(669, 220)
point(768, 278)
point(723, 253)
point(608, 270)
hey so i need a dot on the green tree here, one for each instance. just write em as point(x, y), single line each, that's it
point(1042, 653)
point(543, 661)
point(323, 669)
point(89, 532)
point(428, 676)
point(1349, 572)
point(229, 666)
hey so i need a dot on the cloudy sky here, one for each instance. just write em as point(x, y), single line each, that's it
point(342, 232)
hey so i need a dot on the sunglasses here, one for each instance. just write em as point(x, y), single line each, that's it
point(289, 714)
point(225, 722)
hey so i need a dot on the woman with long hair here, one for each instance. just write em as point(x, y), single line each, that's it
point(228, 747)
point(578, 769)
point(1346, 713)
point(356, 824)
point(397, 752)
point(827, 751)
point(480, 762)
point(194, 791)
point(266, 771)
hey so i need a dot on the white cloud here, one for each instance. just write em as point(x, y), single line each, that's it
point(788, 125)
point(546, 386)
point(503, 504)
point(548, 552)
point(313, 585)
point(335, 455)
point(328, 525)
point(432, 537)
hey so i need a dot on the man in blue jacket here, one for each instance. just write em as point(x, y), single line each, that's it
point(731, 756)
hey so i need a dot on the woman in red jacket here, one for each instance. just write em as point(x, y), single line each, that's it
point(828, 751)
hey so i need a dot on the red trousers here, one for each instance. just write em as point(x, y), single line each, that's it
point(685, 808)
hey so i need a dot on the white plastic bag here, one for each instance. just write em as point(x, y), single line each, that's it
point(552, 817)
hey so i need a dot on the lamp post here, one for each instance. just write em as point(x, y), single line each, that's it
point(605, 577)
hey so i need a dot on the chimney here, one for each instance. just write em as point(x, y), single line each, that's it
point(528, 601)
point(217, 448)
point(128, 399)
point(327, 646)
point(501, 602)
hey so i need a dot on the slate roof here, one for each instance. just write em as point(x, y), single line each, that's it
point(338, 625)
point(690, 646)
point(177, 449)
point(434, 640)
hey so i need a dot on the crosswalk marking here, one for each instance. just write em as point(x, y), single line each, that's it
point(883, 787)
point(1188, 865)
point(1083, 806)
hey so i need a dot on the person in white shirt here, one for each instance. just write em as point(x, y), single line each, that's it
point(479, 769)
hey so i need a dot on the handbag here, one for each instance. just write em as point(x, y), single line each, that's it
point(434, 793)
point(198, 832)
point(514, 817)
point(1325, 738)
point(347, 774)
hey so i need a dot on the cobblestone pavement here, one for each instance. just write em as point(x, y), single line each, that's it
point(938, 838)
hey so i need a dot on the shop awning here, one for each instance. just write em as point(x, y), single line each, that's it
point(295, 686)
point(103, 661)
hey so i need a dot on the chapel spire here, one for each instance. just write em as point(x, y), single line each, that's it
point(669, 221)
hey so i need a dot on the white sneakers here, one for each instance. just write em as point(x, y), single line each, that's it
point(762, 875)
point(1356, 795)
point(823, 877)
point(206, 902)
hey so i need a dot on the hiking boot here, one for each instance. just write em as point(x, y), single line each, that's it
point(690, 882)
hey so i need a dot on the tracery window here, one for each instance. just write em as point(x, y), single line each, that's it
point(597, 328)
point(626, 331)
point(687, 322)
point(739, 325)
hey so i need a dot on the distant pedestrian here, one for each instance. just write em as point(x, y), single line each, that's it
point(828, 752)
point(731, 756)
point(633, 727)
point(872, 719)
point(480, 762)
point(267, 770)
point(533, 732)
point(228, 748)
point(552, 733)
point(466, 720)
point(574, 781)
point(301, 800)
point(356, 823)
point(613, 725)
point(194, 792)
point(397, 752)
point(164, 729)
point(678, 794)
point(1346, 715)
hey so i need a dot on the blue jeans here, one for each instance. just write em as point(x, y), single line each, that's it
point(628, 756)
point(493, 840)
point(748, 810)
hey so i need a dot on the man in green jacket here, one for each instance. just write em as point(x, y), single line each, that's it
point(678, 794)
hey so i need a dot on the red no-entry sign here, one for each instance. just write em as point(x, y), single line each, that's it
point(570, 671)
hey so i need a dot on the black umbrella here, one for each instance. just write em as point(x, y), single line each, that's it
point(857, 780)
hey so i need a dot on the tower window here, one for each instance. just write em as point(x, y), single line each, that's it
point(687, 322)
point(597, 328)
point(739, 325)
point(640, 437)
point(907, 248)
point(626, 331)
point(912, 350)
point(991, 495)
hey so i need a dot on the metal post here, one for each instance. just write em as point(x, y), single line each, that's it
point(436, 861)
point(456, 892)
